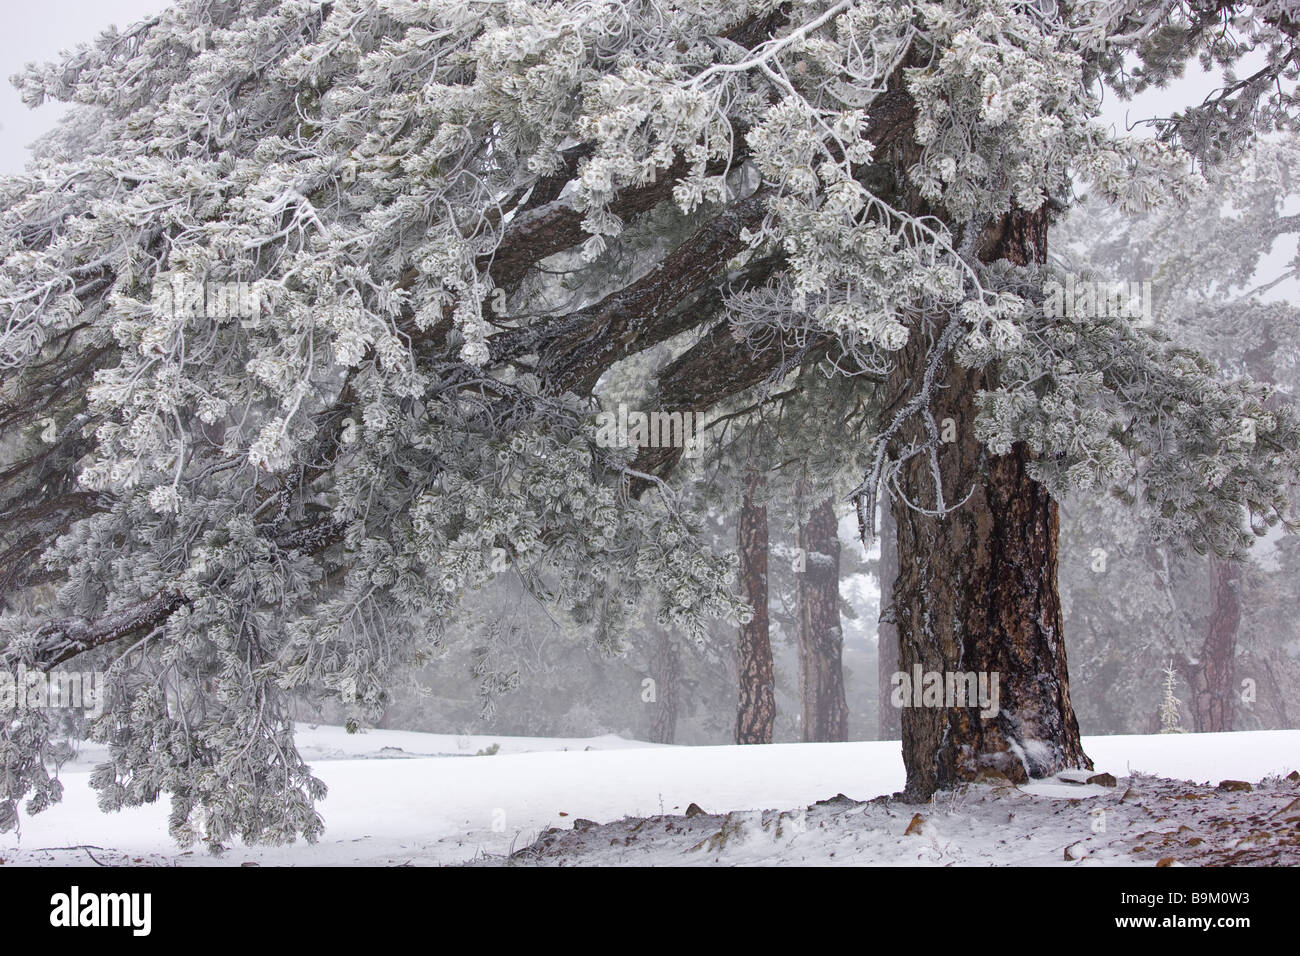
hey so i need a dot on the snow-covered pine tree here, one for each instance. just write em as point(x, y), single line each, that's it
point(1209, 285)
point(235, 504)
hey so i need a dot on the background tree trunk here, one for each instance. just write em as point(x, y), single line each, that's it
point(665, 669)
point(976, 588)
point(1276, 680)
point(757, 712)
point(1212, 679)
point(889, 726)
point(825, 713)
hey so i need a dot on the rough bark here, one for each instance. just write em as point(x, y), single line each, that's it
point(757, 711)
point(825, 713)
point(888, 726)
point(1212, 679)
point(976, 589)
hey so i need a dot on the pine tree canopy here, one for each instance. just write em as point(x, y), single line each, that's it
point(309, 308)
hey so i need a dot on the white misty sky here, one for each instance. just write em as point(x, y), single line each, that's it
point(38, 32)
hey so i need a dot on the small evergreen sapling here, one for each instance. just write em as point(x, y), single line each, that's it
point(1170, 705)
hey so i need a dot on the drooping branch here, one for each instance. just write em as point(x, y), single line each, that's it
point(61, 640)
point(64, 639)
point(682, 293)
point(718, 368)
point(575, 349)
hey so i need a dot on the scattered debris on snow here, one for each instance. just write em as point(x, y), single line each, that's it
point(395, 799)
point(1148, 821)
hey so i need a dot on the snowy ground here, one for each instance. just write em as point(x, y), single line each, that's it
point(397, 798)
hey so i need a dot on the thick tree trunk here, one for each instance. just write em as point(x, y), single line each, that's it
point(665, 669)
point(1212, 680)
point(976, 591)
point(825, 713)
point(888, 725)
point(757, 711)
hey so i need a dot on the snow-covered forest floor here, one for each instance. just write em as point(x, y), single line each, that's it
point(411, 798)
